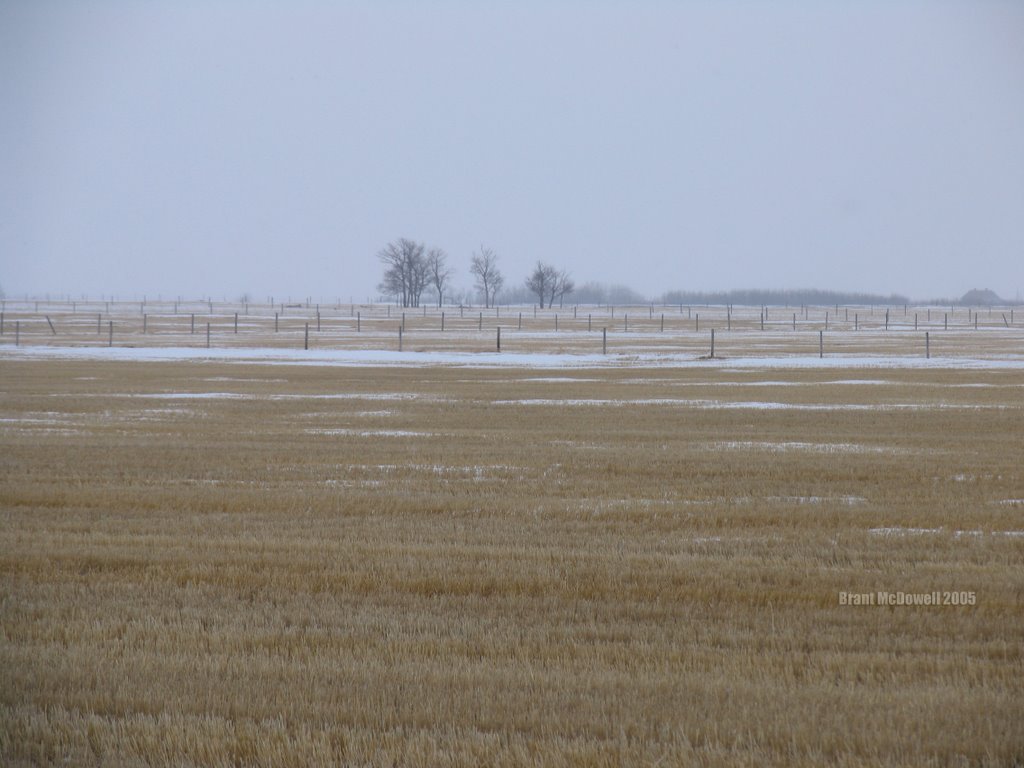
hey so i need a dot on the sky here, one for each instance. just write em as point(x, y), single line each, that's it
point(215, 148)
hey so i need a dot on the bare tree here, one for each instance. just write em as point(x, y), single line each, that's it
point(484, 266)
point(405, 271)
point(542, 281)
point(564, 285)
point(438, 272)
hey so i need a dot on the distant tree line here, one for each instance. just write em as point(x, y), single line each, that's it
point(756, 297)
point(411, 270)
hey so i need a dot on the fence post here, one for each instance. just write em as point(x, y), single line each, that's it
point(442, 322)
point(480, 322)
point(826, 321)
point(712, 343)
point(915, 321)
point(762, 319)
point(145, 323)
point(193, 323)
point(794, 321)
point(499, 338)
point(359, 321)
point(588, 321)
point(318, 320)
point(604, 341)
point(887, 319)
point(662, 322)
point(236, 322)
point(856, 321)
point(945, 321)
point(927, 346)
point(821, 344)
point(275, 322)
point(520, 321)
point(305, 344)
point(728, 319)
point(625, 320)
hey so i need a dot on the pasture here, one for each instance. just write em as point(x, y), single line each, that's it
point(626, 561)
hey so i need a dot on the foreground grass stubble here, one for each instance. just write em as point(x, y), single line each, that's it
point(414, 566)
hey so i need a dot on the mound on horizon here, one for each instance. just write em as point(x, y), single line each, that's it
point(981, 297)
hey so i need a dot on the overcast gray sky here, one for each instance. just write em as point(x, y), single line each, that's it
point(214, 147)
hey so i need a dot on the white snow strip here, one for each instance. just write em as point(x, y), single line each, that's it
point(382, 357)
point(750, 404)
point(369, 432)
point(809, 447)
point(956, 534)
point(903, 531)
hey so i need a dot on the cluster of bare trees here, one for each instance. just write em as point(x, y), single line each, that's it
point(548, 283)
point(410, 268)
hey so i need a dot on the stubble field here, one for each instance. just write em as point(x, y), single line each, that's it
point(211, 563)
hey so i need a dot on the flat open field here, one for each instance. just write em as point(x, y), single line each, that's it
point(257, 563)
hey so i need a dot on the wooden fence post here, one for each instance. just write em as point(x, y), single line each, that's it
point(604, 341)
point(305, 344)
point(712, 343)
point(927, 346)
point(499, 338)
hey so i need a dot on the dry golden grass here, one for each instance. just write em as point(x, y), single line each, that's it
point(451, 566)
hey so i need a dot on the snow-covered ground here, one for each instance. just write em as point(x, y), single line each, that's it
point(386, 358)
